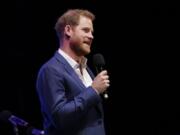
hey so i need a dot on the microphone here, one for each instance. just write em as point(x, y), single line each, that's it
point(99, 63)
point(33, 131)
point(7, 116)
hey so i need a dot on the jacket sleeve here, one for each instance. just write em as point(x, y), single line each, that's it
point(64, 112)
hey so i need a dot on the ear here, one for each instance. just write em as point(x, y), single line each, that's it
point(68, 30)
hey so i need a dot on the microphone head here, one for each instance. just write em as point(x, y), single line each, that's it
point(5, 115)
point(98, 60)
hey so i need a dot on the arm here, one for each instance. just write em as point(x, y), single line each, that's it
point(52, 90)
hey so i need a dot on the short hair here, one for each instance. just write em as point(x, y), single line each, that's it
point(71, 17)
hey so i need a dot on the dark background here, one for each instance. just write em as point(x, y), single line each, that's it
point(140, 46)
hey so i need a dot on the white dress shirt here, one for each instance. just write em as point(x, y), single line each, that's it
point(80, 69)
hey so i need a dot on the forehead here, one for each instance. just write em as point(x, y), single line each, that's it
point(85, 22)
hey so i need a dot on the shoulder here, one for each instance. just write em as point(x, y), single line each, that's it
point(52, 65)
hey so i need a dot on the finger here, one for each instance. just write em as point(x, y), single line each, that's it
point(105, 77)
point(104, 72)
point(107, 82)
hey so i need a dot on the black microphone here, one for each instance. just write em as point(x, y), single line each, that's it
point(8, 117)
point(33, 131)
point(99, 63)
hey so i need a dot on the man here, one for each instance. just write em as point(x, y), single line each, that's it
point(68, 91)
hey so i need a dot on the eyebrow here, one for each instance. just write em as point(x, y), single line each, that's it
point(87, 28)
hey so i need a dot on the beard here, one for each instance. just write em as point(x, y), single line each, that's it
point(80, 48)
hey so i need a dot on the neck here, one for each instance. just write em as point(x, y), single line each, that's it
point(65, 47)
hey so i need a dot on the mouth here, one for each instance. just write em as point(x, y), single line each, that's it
point(88, 43)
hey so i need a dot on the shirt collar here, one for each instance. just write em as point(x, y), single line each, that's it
point(72, 62)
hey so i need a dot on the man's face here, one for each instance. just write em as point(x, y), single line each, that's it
point(81, 37)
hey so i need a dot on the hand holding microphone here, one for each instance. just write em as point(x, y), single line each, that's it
point(101, 81)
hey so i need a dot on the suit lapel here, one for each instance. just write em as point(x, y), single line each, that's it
point(90, 73)
point(69, 69)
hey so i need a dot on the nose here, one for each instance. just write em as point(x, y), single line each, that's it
point(90, 35)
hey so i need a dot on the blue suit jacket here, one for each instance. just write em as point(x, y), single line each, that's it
point(68, 107)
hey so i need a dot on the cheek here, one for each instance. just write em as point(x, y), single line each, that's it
point(78, 37)
point(76, 42)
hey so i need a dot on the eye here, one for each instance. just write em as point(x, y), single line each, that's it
point(86, 30)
